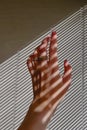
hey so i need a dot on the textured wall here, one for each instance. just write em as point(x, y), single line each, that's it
point(16, 86)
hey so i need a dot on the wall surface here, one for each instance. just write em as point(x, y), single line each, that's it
point(23, 20)
point(16, 87)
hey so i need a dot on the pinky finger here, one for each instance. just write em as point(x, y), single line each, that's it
point(30, 66)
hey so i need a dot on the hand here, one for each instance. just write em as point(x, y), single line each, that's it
point(49, 87)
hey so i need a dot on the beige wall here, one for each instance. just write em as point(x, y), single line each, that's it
point(23, 20)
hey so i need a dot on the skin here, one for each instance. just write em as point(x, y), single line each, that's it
point(49, 87)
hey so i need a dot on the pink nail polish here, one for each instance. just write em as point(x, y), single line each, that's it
point(54, 36)
point(67, 63)
point(48, 39)
point(53, 33)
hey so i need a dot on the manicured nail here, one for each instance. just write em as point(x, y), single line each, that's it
point(54, 35)
point(48, 39)
point(66, 63)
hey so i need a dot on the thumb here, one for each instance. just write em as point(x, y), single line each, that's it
point(67, 71)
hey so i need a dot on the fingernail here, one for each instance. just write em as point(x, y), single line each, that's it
point(48, 39)
point(66, 63)
point(54, 35)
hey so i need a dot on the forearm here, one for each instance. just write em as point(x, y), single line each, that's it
point(30, 124)
point(26, 123)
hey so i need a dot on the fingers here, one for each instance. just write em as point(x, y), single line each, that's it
point(35, 57)
point(43, 64)
point(42, 52)
point(53, 62)
point(30, 66)
point(53, 53)
point(53, 46)
point(31, 70)
point(36, 76)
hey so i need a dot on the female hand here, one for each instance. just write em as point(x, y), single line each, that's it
point(49, 87)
